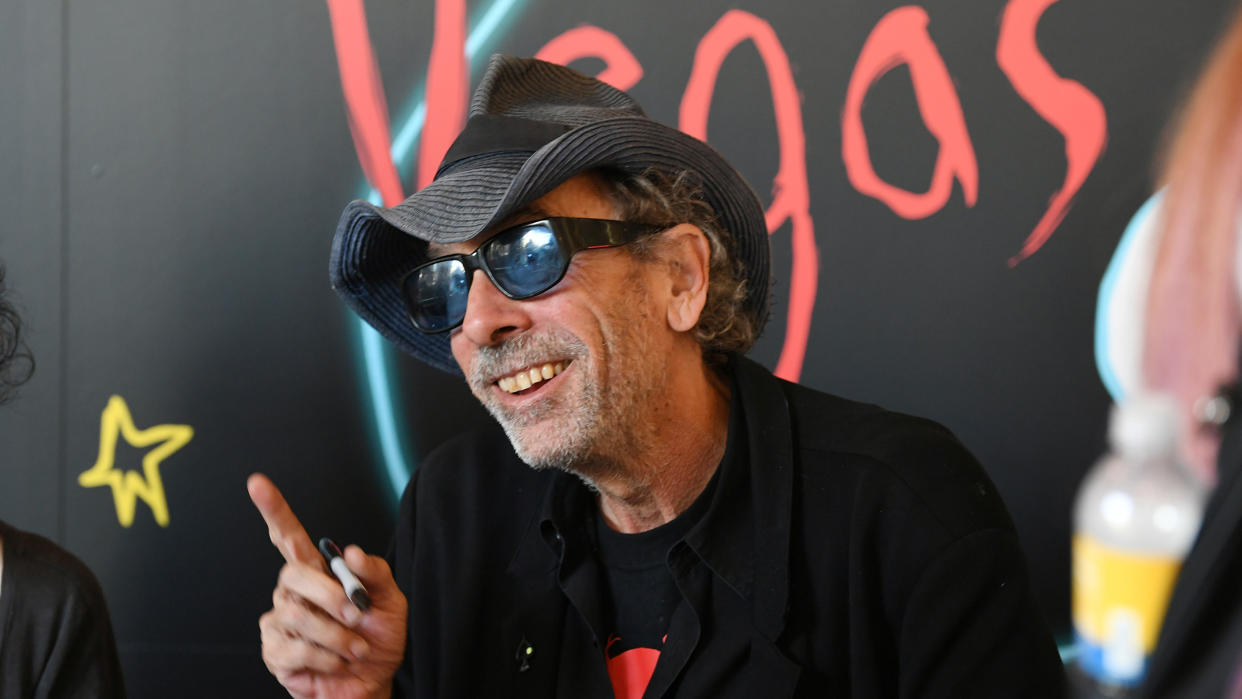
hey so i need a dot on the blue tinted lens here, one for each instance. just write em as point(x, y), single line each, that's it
point(527, 262)
point(437, 295)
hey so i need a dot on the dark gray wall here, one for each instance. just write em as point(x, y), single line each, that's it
point(171, 174)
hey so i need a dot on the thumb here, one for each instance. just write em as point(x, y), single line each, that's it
point(374, 573)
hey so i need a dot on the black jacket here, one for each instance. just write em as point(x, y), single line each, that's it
point(55, 635)
point(849, 552)
point(1199, 652)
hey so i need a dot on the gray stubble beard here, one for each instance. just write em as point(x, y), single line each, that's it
point(579, 424)
point(587, 447)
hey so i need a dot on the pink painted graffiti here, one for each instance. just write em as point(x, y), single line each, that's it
point(901, 37)
point(448, 86)
point(622, 70)
point(364, 97)
point(1073, 109)
point(791, 193)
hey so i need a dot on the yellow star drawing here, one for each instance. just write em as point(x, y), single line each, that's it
point(128, 485)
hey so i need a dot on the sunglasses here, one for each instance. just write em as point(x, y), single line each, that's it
point(522, 262)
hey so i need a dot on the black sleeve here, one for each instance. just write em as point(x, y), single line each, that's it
point(966, 623)
point(56, 638)
point(971, 627)
point(401, 560)
point(83, 660)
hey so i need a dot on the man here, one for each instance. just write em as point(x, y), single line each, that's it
point(660, 517)
point(55, 633)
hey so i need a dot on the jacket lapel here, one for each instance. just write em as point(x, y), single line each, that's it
point(531, 632)
point(770, 457)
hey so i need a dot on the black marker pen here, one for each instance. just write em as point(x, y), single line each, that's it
point(353, 587)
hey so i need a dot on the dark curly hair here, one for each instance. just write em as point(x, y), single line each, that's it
point(655, 196)
point(16, 362)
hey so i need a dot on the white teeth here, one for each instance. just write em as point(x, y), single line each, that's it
point(526, 378)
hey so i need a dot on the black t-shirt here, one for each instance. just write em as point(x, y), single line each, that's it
point(641, 587)
point(643, 595)
point(55, 635)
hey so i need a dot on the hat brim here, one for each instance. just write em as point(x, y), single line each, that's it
point(375, 246)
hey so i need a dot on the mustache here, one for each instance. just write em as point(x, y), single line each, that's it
point(492, 361)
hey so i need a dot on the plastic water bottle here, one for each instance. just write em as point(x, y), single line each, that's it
point(1136, 516)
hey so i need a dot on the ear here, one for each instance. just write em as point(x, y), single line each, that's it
point(687, 254)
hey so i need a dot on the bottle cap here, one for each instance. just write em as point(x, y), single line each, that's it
point(1145, 425)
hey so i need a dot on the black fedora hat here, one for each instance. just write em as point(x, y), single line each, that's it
point(532, 126)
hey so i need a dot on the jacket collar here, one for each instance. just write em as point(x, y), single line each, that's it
point(743, 537)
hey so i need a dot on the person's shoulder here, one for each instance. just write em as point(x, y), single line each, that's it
point(825, 422)
point(47, 569)
point(830, 423)
point(908, 461)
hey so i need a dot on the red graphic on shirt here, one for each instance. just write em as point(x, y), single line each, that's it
point(630, 670)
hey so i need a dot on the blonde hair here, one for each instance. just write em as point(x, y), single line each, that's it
point(1194, 319)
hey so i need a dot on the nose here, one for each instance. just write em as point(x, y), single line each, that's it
point(491, 316)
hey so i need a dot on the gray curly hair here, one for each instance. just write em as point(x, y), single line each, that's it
point(16, 362)
point(660, 198)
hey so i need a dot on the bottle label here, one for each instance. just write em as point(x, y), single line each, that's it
point(1119, 600)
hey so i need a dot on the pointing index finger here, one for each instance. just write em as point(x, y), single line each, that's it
point(286, 532)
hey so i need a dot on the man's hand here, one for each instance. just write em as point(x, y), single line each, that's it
point(315, 641)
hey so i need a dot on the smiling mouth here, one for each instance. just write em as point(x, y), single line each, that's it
point(522, 381)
